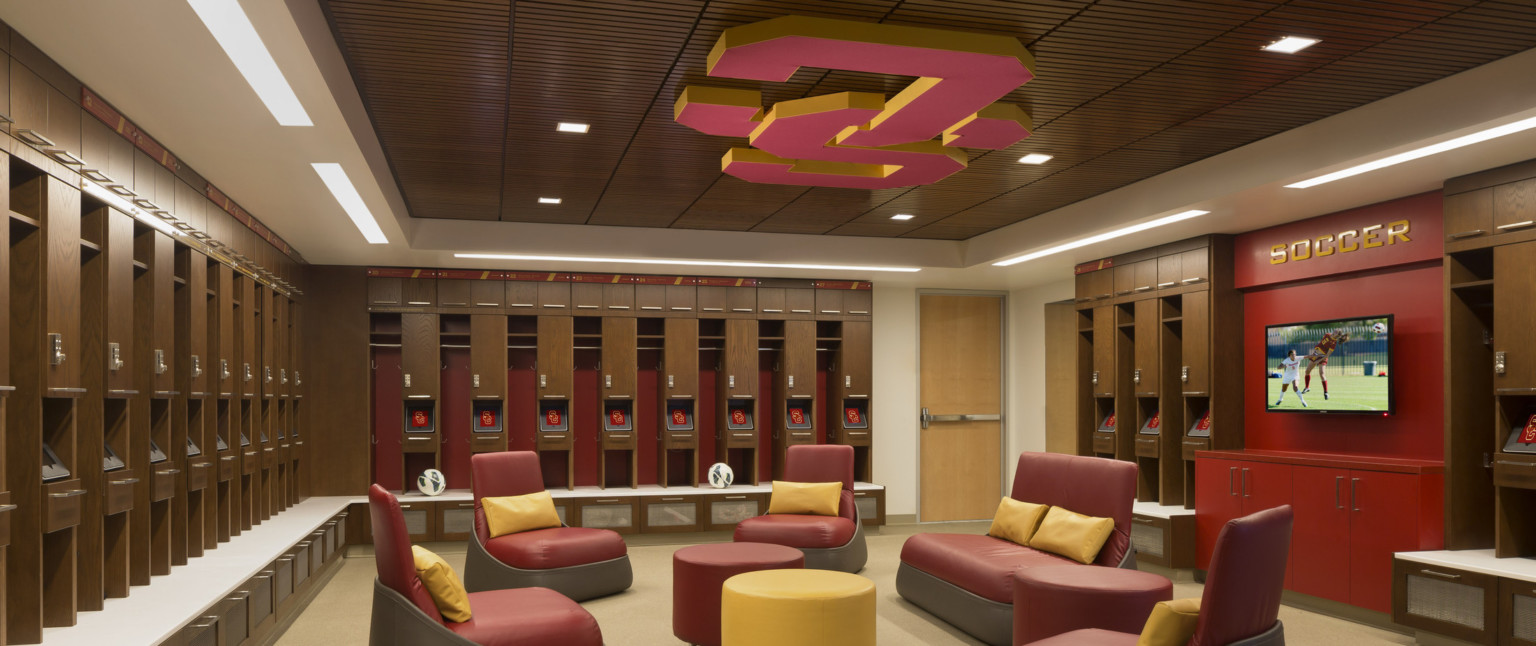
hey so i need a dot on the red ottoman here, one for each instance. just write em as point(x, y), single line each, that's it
point(1059, 599)
point(699, 571)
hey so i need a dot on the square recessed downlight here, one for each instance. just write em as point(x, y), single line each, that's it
point(566, 126)
point(903, 216)
point(1290, 44)
point(1035, 159)
point(346, 194)
point(232, 28)
point(549, 200)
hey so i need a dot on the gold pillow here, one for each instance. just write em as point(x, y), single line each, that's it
point(1016, 521)
point(446, 589)
point(1172, 623)
point(1072, 535)
point(814, 498)
point(513, 514)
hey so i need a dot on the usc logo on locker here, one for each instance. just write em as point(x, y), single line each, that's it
point(859, 139)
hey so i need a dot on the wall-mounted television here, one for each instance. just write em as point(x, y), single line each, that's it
point(1340, 366)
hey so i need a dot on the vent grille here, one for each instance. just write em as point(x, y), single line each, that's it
point(672, 514)
point(459, 521)
point(1446, 601)
point(1524, 618)
point(1147, 539)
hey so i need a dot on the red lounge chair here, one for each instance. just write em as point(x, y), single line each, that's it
point(828, 542)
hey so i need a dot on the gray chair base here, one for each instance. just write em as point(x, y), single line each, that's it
point(849, 557)
point(984, 619)
point(398, 622)
point(1273, 637)
point(579, 582)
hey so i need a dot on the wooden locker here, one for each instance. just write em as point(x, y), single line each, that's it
point(1144, 376)
point(741, 301)
point(1102, 380)
point(555, 358)
point(554, 297)
point(679, 378)
point(619, 358)
point(794, 392)
point(858, 303)
point(113, 264)
point(770, 303)
point(587, 298)
point(618, 299)
point(488, 356)
point(1197, 344)
point(799, 302)
point(651, 300)
point(681, 300)
point(829, 303)
point(736, 383)
point(521, 296)
point(454, 293)
point(712, 301)
point(420, 355)
point(419, 292)
point(855, 368)
point(487, 294)
point(1514, 316)
point(386, 292)
point(55, 246)
point(739, 365)
point(249, 328)
point(616, 383)
point(192, 322)
point(1195, 265)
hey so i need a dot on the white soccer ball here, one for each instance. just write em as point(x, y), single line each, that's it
point(431, 482)
point(1379, 328)
point(720, 475)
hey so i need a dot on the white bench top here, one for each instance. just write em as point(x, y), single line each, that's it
point(1480, 561)
point(464, 495)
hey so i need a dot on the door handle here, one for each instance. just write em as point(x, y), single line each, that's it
point(927, 419)
point(1247, 491)
point(1231, 481)
point(1338, 482)
point(1354, 497)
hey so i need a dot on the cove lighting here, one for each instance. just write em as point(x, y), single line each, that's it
point(1291, 44)
point(232, 28)
point(346, 194)
point(1035, 159)
point(117, 202)
point(1083, 242)
point(1393, 160)
point(573, 127)
point(549, 200)
point(690, 263)
point(903, 216)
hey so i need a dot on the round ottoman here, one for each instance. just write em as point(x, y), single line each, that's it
point(1058, 599)
point(700, 570)
point(777, 607)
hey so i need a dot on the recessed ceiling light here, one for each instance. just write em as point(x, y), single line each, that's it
point(1290, 44)
point(689, 263)
point(572, 127)
point(903, 216)
point(335, 178)
point(549, 200)
point(1393, 160)
point(232, 28)
point(1035, 158)
point(1083, 242)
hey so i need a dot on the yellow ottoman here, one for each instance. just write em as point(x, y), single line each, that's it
point(801, 607)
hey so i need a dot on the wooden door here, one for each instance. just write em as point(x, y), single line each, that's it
point(960, 374)
point(712, 301)
point(221, 329)
point(453, 292)
point(487, 294)
point(681, 299)
point(800, 302)
point(1514, 316)
point(587, 298)
point(1145, 276)
point(855, 353)
point(1103, 378)
point(420, 292)
point(1514, 206)
point(194, 352)
point(1468, 215)
point(555, 356)
point(1195, 265)
point(420, 347)
point(858, 303)
point(651, 300)
point(1197, 343)
point(741, 301)
point(247, 325)
point(770, 302)
point(1148, 324)
point(680, 359)
point(619, 358)
point(1321, 504)
point(521, 295)
point(797, 363)
point(738, 368)
point(618, 298)
point(488, 356)
point(829, 303)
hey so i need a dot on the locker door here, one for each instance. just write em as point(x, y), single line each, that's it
point(1514, 316)
point(555, 356)
point(1197, 335)
point(619, 358)
point(680, 359)
point(420, 349)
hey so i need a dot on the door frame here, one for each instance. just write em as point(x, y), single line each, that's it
point(1003, 420)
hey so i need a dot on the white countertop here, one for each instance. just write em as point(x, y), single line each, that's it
point(464, 495)
point(1480, 561)
point(1155, 510)
point(153, 613)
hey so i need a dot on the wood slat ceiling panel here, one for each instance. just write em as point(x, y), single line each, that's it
point(465, 94)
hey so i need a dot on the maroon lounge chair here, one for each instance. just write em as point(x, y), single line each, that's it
point(405, 615)
point(1241, 602)
point(579, 562)
point(828, 542)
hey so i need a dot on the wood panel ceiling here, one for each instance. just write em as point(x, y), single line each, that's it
point(465, 95)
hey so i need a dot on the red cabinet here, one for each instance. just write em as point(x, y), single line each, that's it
point(1352, 514)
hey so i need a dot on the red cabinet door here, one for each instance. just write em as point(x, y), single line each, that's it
point(1216, 502)
point(1321, 504)
point(1384, 518)
point(1264, 485)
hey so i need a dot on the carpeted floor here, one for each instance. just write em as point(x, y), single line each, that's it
point(643, 615)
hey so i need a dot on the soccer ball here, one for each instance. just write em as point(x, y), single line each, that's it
point(720, 475)
point(1379, 328)
point(431, 482)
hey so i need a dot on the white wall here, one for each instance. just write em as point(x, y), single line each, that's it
point(895, 405)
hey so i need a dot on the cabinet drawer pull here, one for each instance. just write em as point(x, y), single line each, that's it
point(418, 302)
point(831, 311)
point(68, 494)
point(727, 498)
point(1122, 292)
point(1143, 521)
point(1192, 280)
point(650, 307)
point(608, 501)
point(741, 309)
point(456, 304)
point(772, 311)
point(858, 312)
point(1143, 288)
point(618, 307)
point(488, 304)
point(129, 481)
point(713, 309)
point(1170, 283)
point(680, 309)
point(555, 305)
point(1466, 234)
point(1516, 225)
point(671, 499)
point(522, 305)
point(1443, 575)
point(580, 307)
point(800, 311)
point(1518, 464)
point(1104, 295)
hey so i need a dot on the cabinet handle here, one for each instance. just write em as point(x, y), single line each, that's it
point(800, 311)
point(555, 305)
point(741, 309)
point(1104, 295)
point(865, 312)
point(1443, 575)
point(735, 497)
point(1231, 481)
point(1143, 288)
point(584, 307)
point(1338, 483)
point(1142, 521)
point(1192, 280)
point(1466, 234)
point(455, 304)
point(129, 481)
point(1170, 283)
point(1247, 490)
point(713, 309)
point(650, 307)
point(522, 305)
point(618, 307)
point(1516, 225)
point(1354, 498)
point(68, 494)
point(773, 311)
point(671, 499)
point(488, 304)
point(831, 311)
point(608, 501)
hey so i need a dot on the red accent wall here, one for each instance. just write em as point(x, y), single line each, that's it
point(1402, 279)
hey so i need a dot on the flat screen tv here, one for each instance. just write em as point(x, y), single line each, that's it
point(1340, 366)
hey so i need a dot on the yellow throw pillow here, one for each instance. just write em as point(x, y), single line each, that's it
point(1016, 521)
point(1172, 623)
point(446, 589)
point(513, 514)
point(814, 498)
point(1072, 535)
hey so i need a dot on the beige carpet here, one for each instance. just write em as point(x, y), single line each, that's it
point(643, 615)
